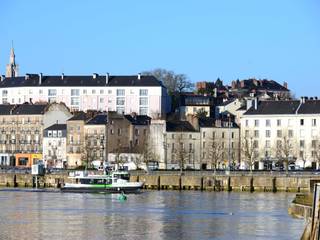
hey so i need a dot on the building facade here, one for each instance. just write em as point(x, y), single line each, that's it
point(282, 130)
point(144, 95)
point(21, 130)
point(55, 146)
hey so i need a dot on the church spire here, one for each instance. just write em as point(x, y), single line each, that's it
point(12, 69)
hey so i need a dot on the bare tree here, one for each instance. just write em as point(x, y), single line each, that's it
point(284, 150)
point(172, 81)
point(249, 151)
point(215, 153)
point(146, 153)
point(180, 153)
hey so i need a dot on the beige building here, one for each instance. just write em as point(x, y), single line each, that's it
point(95, 131)
point(22, 126)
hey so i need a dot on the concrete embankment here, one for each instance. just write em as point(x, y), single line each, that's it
point(264, 183)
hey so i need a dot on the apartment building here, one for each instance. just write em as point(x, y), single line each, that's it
point(144, 95)
point(21, 130)
point(276, 130)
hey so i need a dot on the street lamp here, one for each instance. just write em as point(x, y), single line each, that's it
point(229, 160)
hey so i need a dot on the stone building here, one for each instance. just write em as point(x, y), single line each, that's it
point(21, 130)
point(95, 148)
point(54, 146)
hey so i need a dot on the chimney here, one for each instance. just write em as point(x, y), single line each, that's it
point(285, 84)
point(302, 100)
point(62, 76)
point(139, 76)
point(40, 78)
point(215, 92)
point(255, 103)
point(2, 77)
point(94, 75)
point(27, 76)
point(107, 78)
point(315, 98)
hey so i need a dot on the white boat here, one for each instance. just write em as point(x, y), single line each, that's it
point(116, 182)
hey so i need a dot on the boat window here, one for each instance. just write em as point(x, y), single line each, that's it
point(85, 181)
point(122, 176)
point(99, 181)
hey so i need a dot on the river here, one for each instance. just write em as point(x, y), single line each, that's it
point(149, 215)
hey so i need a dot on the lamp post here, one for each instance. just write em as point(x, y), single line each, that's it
point(165, 150)
point(229, 160)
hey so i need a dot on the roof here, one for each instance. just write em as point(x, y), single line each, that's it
point(79, 116)
point(5, 109)
point(310, 107)
point(99, 119)
point(274, 107)
point(218, 123)
point(138, 119)
point(57, 127)
point(179, 126)
point(225, 103)
point(90, 80)
point(263, 85)
point(33, 109)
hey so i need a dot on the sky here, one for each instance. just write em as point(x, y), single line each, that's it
point(206, 39)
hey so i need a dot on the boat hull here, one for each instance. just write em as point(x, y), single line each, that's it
point(101, 190)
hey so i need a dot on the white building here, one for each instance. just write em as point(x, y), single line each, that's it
point(144, 95)
point(55, 146)
point(273, 126)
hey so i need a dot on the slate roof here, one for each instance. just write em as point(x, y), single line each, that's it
point(179, 126)
point(32, 109)
point(57, 127)
point(5, 109)
point(100, 80)
point(274, 108)
point(310, 107)
point(138, 119)
point(263, 85)
point(99, 119)
point(225, 103)
point(211, 122)
point(78, 116)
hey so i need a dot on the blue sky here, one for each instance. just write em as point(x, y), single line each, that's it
point(271, 39)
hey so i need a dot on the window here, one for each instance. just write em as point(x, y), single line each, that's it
point(256, 123)
point(190, 136)
point(256, 133)
point(172, 136)
point(301, 122)
point(93, 91)
point(101, 100)
point(213, 134)
point(75, 92)
point(268, 123)
point(268, 144)
point(279, 143)
point(190, 147)
point(52, 92)
point(302, 143)
point(204, 134)
point(279, 133)
point(278, 122)
point(143, 92)
point(109, 91)
point(120, 92)
point(222, 135)
point(268, 133)
point(49, 133)
point(101, 91)
point(247, 123)
point(301, 154)
point(314, 122)
point(40, 91)
point(247, 133)
point(120, 100)
point(143, 111)
point(255, 144)
point(136, 132)
point(59, 133)
point(54, 133)
point(314, 143)
point(84, 91)
point(75, 101)
point(232, 135)
point(119, 131)
point(143, 101)
point(204, 144)
point(290, 133)
point(4, 93)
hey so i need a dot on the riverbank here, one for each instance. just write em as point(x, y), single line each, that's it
point(205, 181)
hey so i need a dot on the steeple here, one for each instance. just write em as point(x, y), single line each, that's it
point(12, 69)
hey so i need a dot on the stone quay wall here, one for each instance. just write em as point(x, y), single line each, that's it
point(209, 182)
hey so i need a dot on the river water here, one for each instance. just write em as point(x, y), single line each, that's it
point(149, 215)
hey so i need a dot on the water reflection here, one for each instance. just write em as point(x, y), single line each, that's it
point(150, 215)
